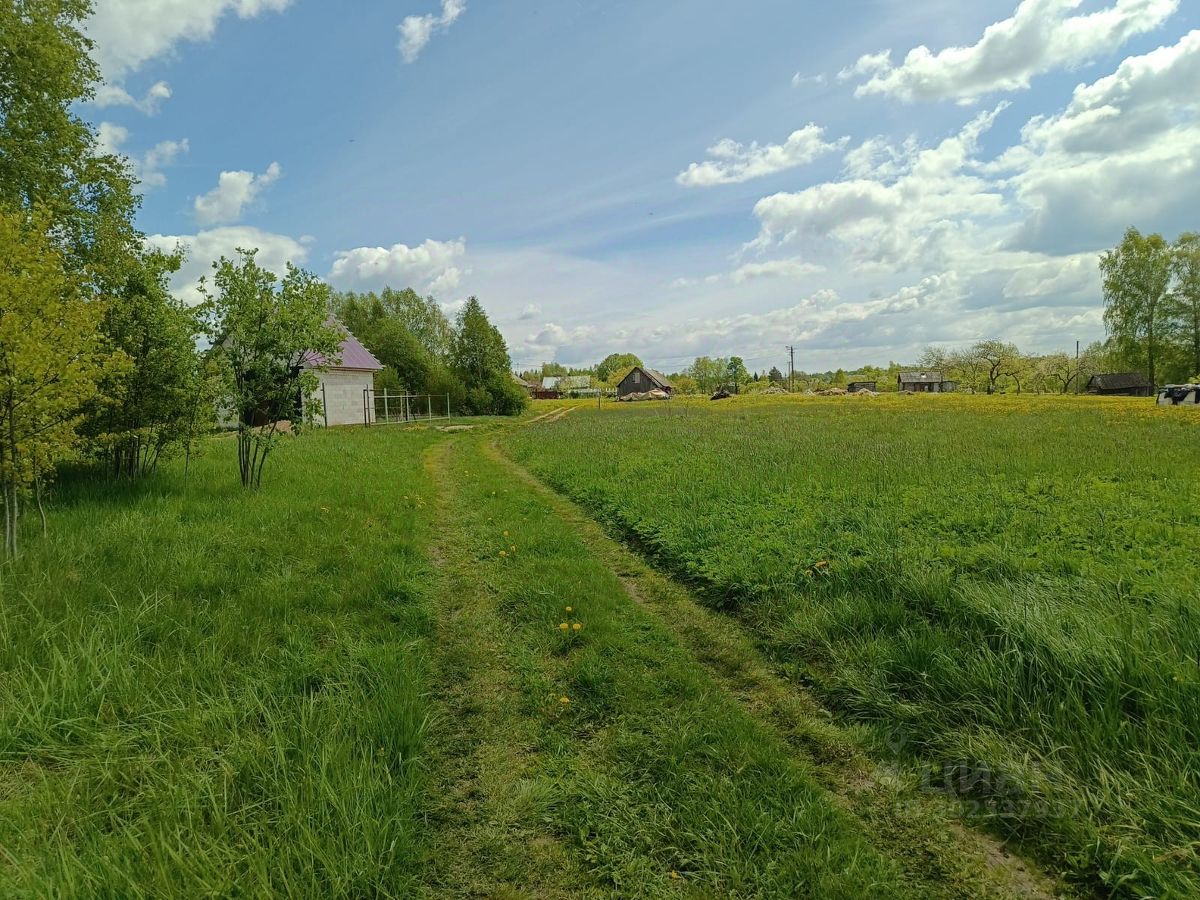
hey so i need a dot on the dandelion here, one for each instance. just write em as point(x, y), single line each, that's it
point(513, 549)
point(563, 627)
point(675, 875)
point(504, 553)
point(564, 700)
point(577, 626)
point(569, 609)
point(823, 564)
point(506, 534)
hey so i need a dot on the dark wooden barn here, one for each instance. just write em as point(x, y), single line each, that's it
point(641, 380)
point(1121, 384)
point(855, 386)
point(925, 383)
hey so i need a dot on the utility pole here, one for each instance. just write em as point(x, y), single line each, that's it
point(791, 369)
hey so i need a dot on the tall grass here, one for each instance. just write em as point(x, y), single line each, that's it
point(205, 692)
point(1005, 587)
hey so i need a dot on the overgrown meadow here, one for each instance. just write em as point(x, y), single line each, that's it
point(1004, 588)
point(208, 692)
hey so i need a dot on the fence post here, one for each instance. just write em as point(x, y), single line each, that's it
point(447, 406)
point(387, 418)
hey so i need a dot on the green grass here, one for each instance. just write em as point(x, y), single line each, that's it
point(207, 693)
point(650, 779)
point(1009, 597)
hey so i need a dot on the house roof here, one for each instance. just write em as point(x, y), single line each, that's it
point(918, 377)
point(656, 377)
point(354, 354)
point(523, 383)
point(1120, 381)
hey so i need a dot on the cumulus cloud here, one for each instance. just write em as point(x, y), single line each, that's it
point(902, 215)
point(235, 191)
point(417, 31)
point(779, 268)
point(733, 163)
point(115, 95)
point(1040, 36)
point(147, 168)
point(275, 251)
point(1123, 150)
point(434, 265)
point(130, 33)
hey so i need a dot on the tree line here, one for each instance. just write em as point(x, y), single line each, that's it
point(100, 363)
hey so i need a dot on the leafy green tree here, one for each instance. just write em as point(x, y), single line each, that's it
point(1185, 297)
point(736, 372)
point(775, 376)
point(49, 157)
point(709, 373)
point(616, 366)
point(1137, 275)
point(479, 356)
point(52, 358)
point(158, 404)
point(268, 336)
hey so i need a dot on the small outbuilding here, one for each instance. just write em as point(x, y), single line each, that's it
point(1120, 384)
point(343, 387)
point(925, 383)
point(641, 380)
point(855, 386)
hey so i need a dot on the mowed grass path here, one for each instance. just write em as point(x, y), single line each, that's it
point(1004, 589)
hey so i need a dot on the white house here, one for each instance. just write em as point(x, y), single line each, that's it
point(343, 387)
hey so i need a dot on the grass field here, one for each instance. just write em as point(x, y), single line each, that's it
point(1005, 588)
point(927, 626)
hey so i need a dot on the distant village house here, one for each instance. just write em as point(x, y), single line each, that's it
point(641, 380)
point(855, 386)
point(1120, 384)
point(925, 383)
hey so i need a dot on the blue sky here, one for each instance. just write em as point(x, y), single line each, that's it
point(671, 178)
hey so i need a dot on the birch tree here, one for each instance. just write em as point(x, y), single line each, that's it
point(1137, 276)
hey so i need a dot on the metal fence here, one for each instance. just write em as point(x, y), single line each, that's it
point(386, 408)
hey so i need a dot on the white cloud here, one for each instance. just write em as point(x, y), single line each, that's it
point(434, 265)
point(417, 31)
point(531, 311)
point(733, 163)
point(1124, 150)
point(799, 80)
point(148, 167)
point(779, 268)
point(115, 95)
point(902, 215)
point(275, 251)
point(1041, 35)
point(129, 33)
point(225, 203)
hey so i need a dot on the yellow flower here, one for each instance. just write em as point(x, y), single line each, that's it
point(564, 700)
point(506, 534)
point(504, 553)
point(823, 564)
point(563, 626)
point(577, 626)
point(674, 874)
point(569, 609)
point(513, 549)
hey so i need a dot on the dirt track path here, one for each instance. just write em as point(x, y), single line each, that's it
point(922, 830)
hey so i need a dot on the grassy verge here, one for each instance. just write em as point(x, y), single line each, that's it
point(207, 693)
point(627, 759)
point(998, 586)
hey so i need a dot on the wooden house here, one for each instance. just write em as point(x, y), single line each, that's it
point(925, 383)
point(641, 380)
point(1120, 384)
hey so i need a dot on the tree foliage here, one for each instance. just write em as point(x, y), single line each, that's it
point(164, 398)
point(52, 358)
point(616, 366)
point(49, 156)
point(268, 337)
point(1137, 275)
point(479, 357)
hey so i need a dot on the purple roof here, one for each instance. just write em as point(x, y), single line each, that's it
point(354, 354)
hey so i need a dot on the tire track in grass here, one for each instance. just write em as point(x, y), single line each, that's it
point(489, 840)
point(643, 774)
point(923, 830)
